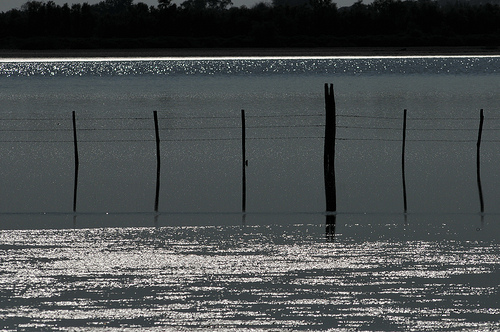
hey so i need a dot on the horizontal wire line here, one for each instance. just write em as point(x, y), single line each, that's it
point(69, 119)
point(287, 126)
point(414, 140)
point(161, 118)
point(252, 116)
point(408, 118)
point(247, 116)
point(152, 129)
point(415, 129)
point(82, 129)
point(83, 141)
point(283, 116)
point(110, 119)
point(36, 119)
point(442, 119)
point(163, 140)
point(238, 117)
point(34, 130)
point(449, 129)
point(248, 127)
point(368, 139)
point(368, 117)
point(248, 138)
point(291, 137)
point(197, 117)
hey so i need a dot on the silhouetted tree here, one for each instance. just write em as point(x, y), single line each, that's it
point(289, 3)
point(208, 23)
point(115, 6)
point(164, 4)
point(207, 4)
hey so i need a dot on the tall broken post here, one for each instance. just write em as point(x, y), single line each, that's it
point(329, 153)
point(329, 161)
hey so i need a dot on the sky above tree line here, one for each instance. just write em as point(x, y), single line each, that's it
point(6, 5)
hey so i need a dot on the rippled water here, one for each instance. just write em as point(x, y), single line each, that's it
point(199, 263)
point(253, 277)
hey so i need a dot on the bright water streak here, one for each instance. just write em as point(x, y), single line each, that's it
point(264, 277)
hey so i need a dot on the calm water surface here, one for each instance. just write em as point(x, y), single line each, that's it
point(199, 263)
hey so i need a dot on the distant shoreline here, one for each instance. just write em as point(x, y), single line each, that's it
point(250, 52)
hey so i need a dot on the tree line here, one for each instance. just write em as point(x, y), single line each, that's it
point(281, 23)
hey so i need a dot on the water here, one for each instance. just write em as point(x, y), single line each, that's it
point(199, 263)
point(254, 277)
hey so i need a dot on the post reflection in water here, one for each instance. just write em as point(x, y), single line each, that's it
point(331, 221)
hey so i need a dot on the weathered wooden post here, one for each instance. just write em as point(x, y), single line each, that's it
point(478, 156)
point(329, 153)
point(158, 159)
point(403, 161)
point(329, 161)
point(77, 161)
point(244, 163)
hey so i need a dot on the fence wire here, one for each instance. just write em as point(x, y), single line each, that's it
point(199, 128)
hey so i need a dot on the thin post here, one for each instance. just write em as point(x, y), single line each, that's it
point(77, 161)
point(244, 163)
point(478, 156)
point(403, 161)
point(329, 153)
point(158, 159)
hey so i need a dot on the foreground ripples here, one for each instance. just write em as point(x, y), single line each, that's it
point(253, 278)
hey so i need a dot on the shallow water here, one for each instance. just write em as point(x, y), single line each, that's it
point(199, 262)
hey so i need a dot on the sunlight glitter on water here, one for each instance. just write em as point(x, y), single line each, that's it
point(251, 66)
point(217, 277)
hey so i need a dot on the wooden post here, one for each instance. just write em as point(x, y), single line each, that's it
point(403, 161)
point(244, 163)
point(158, 159)
point(478, 155)
point(77, 162)
point(329, 153)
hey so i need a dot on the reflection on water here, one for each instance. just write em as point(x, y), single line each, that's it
point(280, 276)
point(331, 223)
